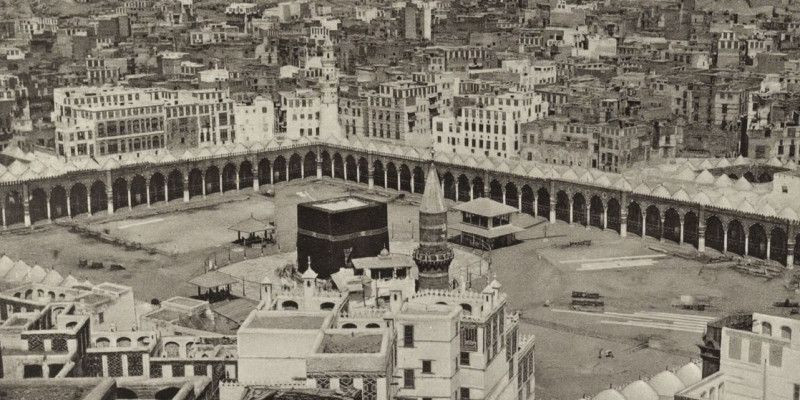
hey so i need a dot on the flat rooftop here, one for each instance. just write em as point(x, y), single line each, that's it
point(286, 322)
point(342, 204)
point(351, 343)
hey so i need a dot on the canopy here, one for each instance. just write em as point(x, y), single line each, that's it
point(213, 279)
point(252, 225)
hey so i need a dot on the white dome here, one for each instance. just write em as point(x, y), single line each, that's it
point(639, 390)
point(609, 394)
point(689, 374)
point(665, 383)
point(705, 178)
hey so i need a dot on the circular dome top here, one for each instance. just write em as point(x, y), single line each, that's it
point(639, 390)
point(689, 374)
point(666, 383)
point(609, 394)
point(384, 252)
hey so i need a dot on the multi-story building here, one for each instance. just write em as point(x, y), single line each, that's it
point(759, 362)
point(111, 120)
point(399, 110)
point(298, 113)
point(254, 120)
point(102, 70)
point(490, 125)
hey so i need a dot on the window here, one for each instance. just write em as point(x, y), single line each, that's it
point(766, 328)
point(735, 348)
point(408, 378)
point(754, 352)
point(464, 392)
point(464, 358)
point(796, 395)
point(408, 336)
point(427, 367)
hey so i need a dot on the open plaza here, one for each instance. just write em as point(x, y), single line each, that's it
point(640, 281)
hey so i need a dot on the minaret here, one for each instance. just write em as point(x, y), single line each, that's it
point(329, 92)
point(433, 256)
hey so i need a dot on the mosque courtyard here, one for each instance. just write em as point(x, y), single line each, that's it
point(639, 280)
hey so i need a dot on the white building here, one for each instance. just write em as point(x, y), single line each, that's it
point(255, 121)
point(490, 127)
point(760, 363)
point(298, 113)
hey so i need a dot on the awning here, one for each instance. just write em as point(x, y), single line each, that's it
point(492, 233)
point(486, 207)
point(252, 225)
point(213, 279)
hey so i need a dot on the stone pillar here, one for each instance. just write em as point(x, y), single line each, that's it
point(680, 236)
point(623, 221)
point(746, 243)
point(519, 201)
point(344, 165)
point(552, 209)
point(790, 252)
point(319, 167)
point(166, 189)
point(287, 173)
point(3, 210)
point(605, 217)
point(535, 205)
point(385, 179)
point(371, 176)
point(588, 215)
point(571, 217)
point(147, 192)
point(272, 176)
point(26, 205)
point(412, 182)
point(661, 236)
point(769, 242)
point(130, 204)
point(220, 180)
point(186, 188)
point(110, 196)
point(724, 240)
point(203, 182)
point(644, 224)
point(256, 184)
point(49, 212)
point(398, 180)
point(69, 206)
point(239, 184)
point(504, 195)
point(302, 170)
point(701, 232)
point(457, 196)
point(471, 191)
point(89, 202)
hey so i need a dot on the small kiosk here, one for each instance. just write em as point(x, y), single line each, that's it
point(486, 224)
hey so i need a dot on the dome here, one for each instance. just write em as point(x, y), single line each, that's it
point(723, 162)
point(665, 383)
point(623, 184)
point(742, 184)
point(689, 374)
point(723, 181)
point(384, 252)
point(609, 394)
point(774, 162)
point(660, 191)
point(569, 174)
point(701, 198)
point(705, 178)
point(680, 195)
point(639, 390)
point(642, 189)
point(686, 174)
point(603, 181)
point(740, 161)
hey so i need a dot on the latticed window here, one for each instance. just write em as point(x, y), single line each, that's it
point(369, 390)
point(114, 365)
point(155, 370)
point(323, 383)
point(178, 370)
point(200, 369)
point(59, 345)
point(345, 382)
point(469, 337)
point(135, 367)
point(35, 343)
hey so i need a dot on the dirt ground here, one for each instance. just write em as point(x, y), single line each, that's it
point(532, 272)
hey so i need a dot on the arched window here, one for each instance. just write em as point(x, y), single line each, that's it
point(289, 305)
point(466, 308)
point(766, 328)
point(326, 306)
point(373, 325)
point(786, 332)
point(349, 326)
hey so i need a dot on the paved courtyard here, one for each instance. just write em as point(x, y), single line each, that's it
point(638, 284)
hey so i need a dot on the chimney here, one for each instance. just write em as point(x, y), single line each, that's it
point(395, 300)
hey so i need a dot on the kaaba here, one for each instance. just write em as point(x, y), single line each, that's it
point(332, 232)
